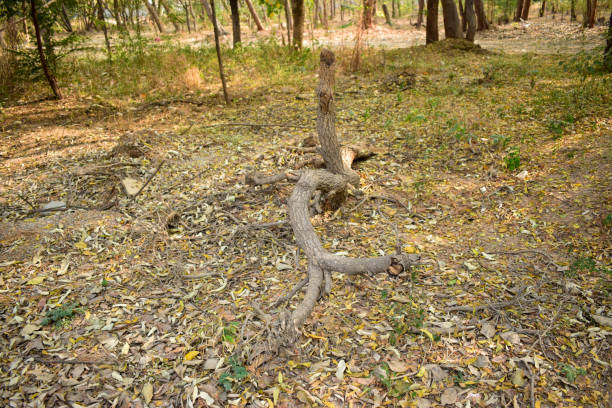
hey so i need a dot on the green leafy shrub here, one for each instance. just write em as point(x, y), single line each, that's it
point(513, 160)
point(61, 315)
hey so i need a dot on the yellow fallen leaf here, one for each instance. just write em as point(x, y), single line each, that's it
point(80, 245)
point(421, 372)
point(275, 394)
point(428, 334)
point(37, 280)
point(147, 392)
point(191, 355)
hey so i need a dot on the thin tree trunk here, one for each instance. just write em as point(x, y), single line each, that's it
point(104, 30)
point(324, 13)
point(154, 16)
point(542, 8)
point(573, 10)
point(235, 22)
point(608, 50)
point(452, 28)
point(254, 15)
point(419, 22)
point(218, 48)
point(519, 10)
point(187, 19)
point(208, 9)
point(471, 20)
point(193, 17)
point(525, 12)
point(297, 10)
point(288, 18)
point(431, 30)
point(481, 16)
point(41, 54)
point(65, 19)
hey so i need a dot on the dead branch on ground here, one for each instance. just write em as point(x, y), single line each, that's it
point(330, 186)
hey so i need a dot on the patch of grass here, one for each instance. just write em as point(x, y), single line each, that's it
point(62, 315)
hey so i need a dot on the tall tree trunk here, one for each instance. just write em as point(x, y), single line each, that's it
point(573, 10)
point(104, 30)
point(471, 20)
point(481, 17)
point(171, 15)
point(593, 9)
point(154, 16)
point(193, 17)
point(254, 15)
point(218, 49)
point(297, 10)
point(452, 29)
point(608, 50)
point(462, 14)
point(419, 22)
point(431, 30)
point(324, 13)
point(65, 19)
point(288, 18)
point(368, 10)
point(542, 8)
point(187, 19)
point(525, 12)
point(41, 54)
point(519, 10)
point(208, 9)
point(387, 15)
point(118, 16)
point(235, 22)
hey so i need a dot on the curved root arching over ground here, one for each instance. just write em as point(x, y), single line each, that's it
point(327, 185)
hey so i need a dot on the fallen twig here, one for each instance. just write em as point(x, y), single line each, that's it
point(148, 181)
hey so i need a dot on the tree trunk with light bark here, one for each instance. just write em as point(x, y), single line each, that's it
point(470, 17)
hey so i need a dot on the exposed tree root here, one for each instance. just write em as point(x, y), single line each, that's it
point(328, 186)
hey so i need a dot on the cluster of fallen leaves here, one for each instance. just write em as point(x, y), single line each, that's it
point(150, 302)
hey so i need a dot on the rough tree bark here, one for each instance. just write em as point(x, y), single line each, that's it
point(218, 49)
point(368, 12)
point(519, 10)
point(333, 181)
point(471, 20)
point(254, 15)
point(297, 10)
point(235, 22)
point(419, 22)
point(452, 27)
point(481, 16)
point(431, 30)
point(462, 14)
point(525, 12)
point(41, 54)
point(387, 15)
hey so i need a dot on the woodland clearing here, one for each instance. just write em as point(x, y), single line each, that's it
point(137, 289)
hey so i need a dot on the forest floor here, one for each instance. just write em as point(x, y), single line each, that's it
point(494, 167)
